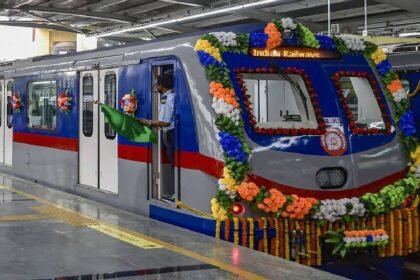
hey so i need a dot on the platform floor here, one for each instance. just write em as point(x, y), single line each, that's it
point(48, 234)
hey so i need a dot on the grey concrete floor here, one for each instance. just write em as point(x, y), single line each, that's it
point(33, 246)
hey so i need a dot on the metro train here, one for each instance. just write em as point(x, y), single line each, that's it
point(78, 152)
point(315, 123)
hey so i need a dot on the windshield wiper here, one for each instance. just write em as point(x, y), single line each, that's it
point(281, 73)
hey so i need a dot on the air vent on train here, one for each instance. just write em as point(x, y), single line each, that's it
point(331, 178)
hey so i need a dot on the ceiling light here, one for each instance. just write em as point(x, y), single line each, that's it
point(200, 15)
point(409, 34)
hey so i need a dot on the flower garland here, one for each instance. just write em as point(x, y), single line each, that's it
point(129, 103)
point(16, 102)
point(346, 240)
point(234, 185)
point(64, 101)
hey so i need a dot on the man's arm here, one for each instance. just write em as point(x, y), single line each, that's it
point(153, 123)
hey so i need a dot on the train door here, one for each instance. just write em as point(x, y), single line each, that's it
point(98, 158)
point(88, 129)
point(164, 170)
point(2, 123)
point(108, 143)
point(8, 127)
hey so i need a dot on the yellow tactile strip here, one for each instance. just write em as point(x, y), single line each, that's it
point(91, 222)
point(124, 236)
point(68, 217)
point(16, 218)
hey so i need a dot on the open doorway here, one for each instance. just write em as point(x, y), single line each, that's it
point(163, 91)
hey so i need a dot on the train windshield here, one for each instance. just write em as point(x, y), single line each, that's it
point(280, 100)
point(362, 103)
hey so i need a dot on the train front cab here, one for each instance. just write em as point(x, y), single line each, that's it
point(359, 150)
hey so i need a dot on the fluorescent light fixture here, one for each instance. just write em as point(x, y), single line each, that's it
point(175, 20)
point(43, 82)
point(409, 34)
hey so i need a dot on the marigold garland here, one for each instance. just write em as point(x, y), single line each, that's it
point(274, 36)
point(235, 230)
point(251, 233)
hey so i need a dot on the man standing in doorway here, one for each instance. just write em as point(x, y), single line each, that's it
point(165, 87)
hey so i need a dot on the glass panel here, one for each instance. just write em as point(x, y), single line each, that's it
point(42, 105)
point(277, 102)
point(10, 86)
point(110, 100)
point(362, 103)
point(9, 106)
point(87, 99)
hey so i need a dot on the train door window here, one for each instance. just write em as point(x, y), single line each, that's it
point(42, 105)
point(163, 152)
point(9, 106)
point(279, 101)
point(110, 91)
point(87, 111)
point(362, 103)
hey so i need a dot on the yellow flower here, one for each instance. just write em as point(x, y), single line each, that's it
point(229, 181)
point(205, 45)
point(217, 211)
point(378, 56)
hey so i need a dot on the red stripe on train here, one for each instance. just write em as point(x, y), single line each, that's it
point(205, 164)
point(62, 143)
point(371, 187)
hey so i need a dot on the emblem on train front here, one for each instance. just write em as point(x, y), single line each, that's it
point(334, 142)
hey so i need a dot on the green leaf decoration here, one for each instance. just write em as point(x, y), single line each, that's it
point(337, 248)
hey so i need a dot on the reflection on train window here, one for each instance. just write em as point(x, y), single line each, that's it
point(9, 105)
point(110, 100)
point(87, 99)
point(280, 101)
point(362, 103)
point(42, 105)
point(406, 85)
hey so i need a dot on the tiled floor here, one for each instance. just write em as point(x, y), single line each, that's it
point(48, 234)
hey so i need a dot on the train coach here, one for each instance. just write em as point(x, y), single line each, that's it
point(298, 134)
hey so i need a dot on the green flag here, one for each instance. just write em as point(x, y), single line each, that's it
point(128, 126)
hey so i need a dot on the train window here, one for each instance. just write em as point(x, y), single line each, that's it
point(110, 100)
point(9, 105)
point(362, 102)
point(87, 99)
point(42, 105)
point(280, 101)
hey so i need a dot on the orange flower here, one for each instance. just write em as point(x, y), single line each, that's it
point(274, 202)
point(299, 207)
point(227, 94)
point(248, 191)
point(394, 86)
point(274, 36)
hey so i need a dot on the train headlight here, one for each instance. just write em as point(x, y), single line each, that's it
point(332, 177)
point(238, 209)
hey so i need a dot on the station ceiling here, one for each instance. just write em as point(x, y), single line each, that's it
point(112, 17)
